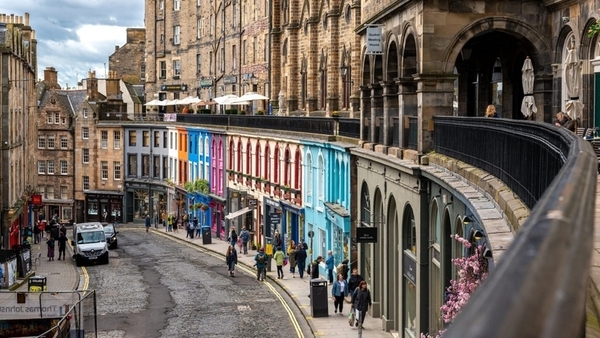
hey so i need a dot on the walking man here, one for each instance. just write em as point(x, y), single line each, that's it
point(62, 245)
point(148, 222)
point(245, 235)
point(261, 264)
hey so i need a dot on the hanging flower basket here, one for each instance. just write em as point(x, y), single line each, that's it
point(204, 207)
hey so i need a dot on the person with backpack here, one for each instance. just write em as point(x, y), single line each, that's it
point(261, 264)
point(245, 235)
point(300, 256)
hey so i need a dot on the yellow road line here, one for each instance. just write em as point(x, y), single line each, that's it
point(249, 271)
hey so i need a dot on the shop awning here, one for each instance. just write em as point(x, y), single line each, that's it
point(238, 213)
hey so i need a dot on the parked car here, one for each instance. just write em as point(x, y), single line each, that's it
point(89, 243)
point(110, 232)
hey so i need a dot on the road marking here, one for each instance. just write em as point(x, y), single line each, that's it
point(249, 271)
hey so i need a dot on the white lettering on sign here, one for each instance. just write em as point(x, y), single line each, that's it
point(374, 43)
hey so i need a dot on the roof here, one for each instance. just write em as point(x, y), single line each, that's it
point(136, 92)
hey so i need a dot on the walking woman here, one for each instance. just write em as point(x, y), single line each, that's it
point(50, 243)
point(361, 300)
point(231, 259)
point(291, 252)
point(339, 291)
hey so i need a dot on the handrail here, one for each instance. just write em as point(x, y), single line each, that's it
point(539, 287)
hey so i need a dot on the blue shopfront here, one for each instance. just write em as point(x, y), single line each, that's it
point(292, 222)
point(338, 230)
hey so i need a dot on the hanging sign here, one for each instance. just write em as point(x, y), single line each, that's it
point(374, 40)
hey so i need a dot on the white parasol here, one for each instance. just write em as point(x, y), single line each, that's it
point(572, 76)
point(230, 100)
point(528, 107)
point(157, 103)
point(251, 96)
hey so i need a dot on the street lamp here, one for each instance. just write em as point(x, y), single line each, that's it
point(344, 74)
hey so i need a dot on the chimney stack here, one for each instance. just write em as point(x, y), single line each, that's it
point(92, 87)
point(51, 77)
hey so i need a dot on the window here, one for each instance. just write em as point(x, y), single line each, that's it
point(176, 68)
point(222, 59)
point(86, 183)
point(117, 170)
point(117, 139)
point(145, 138)
point(244, 49)
point(176, 34)
point(156, 169)
point(165, 166)
point(234, 54)
point(145, 165)
point(163, 70)
point(63, 120)
point(41, 167)
point(199, 32)
point(85, 114)
point(254, 49)
point(132, 138)
point(63, 142)
point(104, 170)
point(132, 162)
point(176, 5)
point(157, 139)
point(56, 118)
point(51, 142)
point(42, 190)
point(86, 155)
point(64, 169)
point(265, 51)
point(85, 133)
point(64, 192)
point(199, 63)
point(50, 191)
point(164, 139)
point(51, 167)
point(234, 23)
point(104, 139)
point(49, 118)
point(210, 62)
point(41, 142)
point(143, 72)
point(199, 3)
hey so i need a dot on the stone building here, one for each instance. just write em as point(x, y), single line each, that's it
point(206, 49)
point(128, 60)
point(55, 146)
point(18, 64)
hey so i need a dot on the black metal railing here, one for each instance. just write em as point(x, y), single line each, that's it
point(413, 132)
point(349, 127)
point(396, 131)
point(215, 120)
point(539, 287)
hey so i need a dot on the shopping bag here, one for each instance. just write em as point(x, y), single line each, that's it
point(348, 299)
point(351, 318)
point(285, 261)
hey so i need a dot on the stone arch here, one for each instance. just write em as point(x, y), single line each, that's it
point(392, 64)
point(538, 42)
point(391, 294)
point(409, 62)
point(366, 68)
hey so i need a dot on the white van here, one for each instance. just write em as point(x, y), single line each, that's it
point(89, 243)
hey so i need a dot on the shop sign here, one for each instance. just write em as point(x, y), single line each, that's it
point(232, 79)
point(206, 83)
point(409, 268)
point(174, 88)
point(36, 199)
point(271, 202)
point(366, 235)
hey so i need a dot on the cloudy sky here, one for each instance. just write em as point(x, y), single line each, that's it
point(76, 36)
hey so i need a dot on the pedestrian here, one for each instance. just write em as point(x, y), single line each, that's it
point(163, 219)
point(279, 257)
point(303, 244)
point(291, 252)
point(190, 229)
point(300, 257)
point(343, 268)
point(54, 232)
point(62, 245)
point(339, 291)
point(197, 226)
point(354, 281)
point(62, 229)
point(148, 222)
point(37, 233)
point(245, 235)
point(231, 259)
point(176, 223)
point(50, 243)
point(361, 302)
point(329, 265)
point(490, 111)
point(261, 264)
point(276, 241)
point(314, 268)
point(170, 223)
point(564, 120)
point(233, 237)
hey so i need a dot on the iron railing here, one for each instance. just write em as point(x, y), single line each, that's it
point(413, 132)
point(349, 127)
point(538, 289)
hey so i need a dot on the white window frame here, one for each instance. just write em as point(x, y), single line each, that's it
point(103, 139)
point(56, 118)
point(85, 155)
point(49, 118)
point(177, 68)
point(117, 171)
point(64, 192)
point(117, 139)
point(85, 113)
point(176, 5)
point(51, 142)
point(64, 142)
point(41, 142)
point(104, 170)
point(41, 167)
point(176, 35)
point(64, 167)
point(85, 133)
point(51, 167)
point(86, 183)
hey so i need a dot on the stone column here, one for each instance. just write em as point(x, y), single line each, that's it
point(407, 106)
point(434, 97)
point(376, 111)
point(390, 108)
point(365, 113)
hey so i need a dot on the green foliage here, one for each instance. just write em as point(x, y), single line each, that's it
point(231, 111)
point(188, 186)
point(201, 186)
point(594, 29)
point(203, 111)
point(260, 112)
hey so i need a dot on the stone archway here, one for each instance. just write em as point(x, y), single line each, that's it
point(391, 297)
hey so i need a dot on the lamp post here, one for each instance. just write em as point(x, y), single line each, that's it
point(344, 74)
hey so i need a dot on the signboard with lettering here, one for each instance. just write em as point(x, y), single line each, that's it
point(374, 40)
point(36, 199)
point(252, 202)
point(366, 235)
point(174, 88)
point(230, 79)
point(206, 83)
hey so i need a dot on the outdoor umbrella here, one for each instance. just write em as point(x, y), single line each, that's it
point(572, 76)
point(528, 107)
point(251, 96)
point(229, 99)
point(154, 102)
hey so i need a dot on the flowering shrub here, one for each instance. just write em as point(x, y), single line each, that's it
point(472, 270)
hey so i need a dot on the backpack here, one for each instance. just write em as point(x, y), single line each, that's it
point(340, 269)
point(244, 236)
point(261, 258)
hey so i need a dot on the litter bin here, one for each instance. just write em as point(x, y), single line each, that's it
point(206, 239)
point(36, 284)
point(318, 298)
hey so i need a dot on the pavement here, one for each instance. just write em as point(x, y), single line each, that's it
point(63, 275)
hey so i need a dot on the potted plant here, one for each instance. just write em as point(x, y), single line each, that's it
point(335, 114)
point(253, 245)
point(203, 207)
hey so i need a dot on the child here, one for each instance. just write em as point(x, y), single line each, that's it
point(279, 257)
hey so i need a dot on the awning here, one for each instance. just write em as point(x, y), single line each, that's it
point(238, 213)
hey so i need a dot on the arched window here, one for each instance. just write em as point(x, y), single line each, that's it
point(249, 158)
point(231, 157)
point(257, 171)
point(221, 166)
point(287, 173)
point(435, 282)
point(276, 164)
point(321, 178)
point(239, 156)
point(214, 167)
point(409, 238)
point(267, 160)
point(309, 178)
point(298, 169)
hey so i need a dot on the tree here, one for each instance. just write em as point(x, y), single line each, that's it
point(472, 270)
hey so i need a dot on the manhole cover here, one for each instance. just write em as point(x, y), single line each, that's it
point(243, 307)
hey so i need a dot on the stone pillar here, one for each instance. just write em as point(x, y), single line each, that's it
point(434, 97)
point(376, 111)
point(407, 106)
point(390, 108)
point(365, 112)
